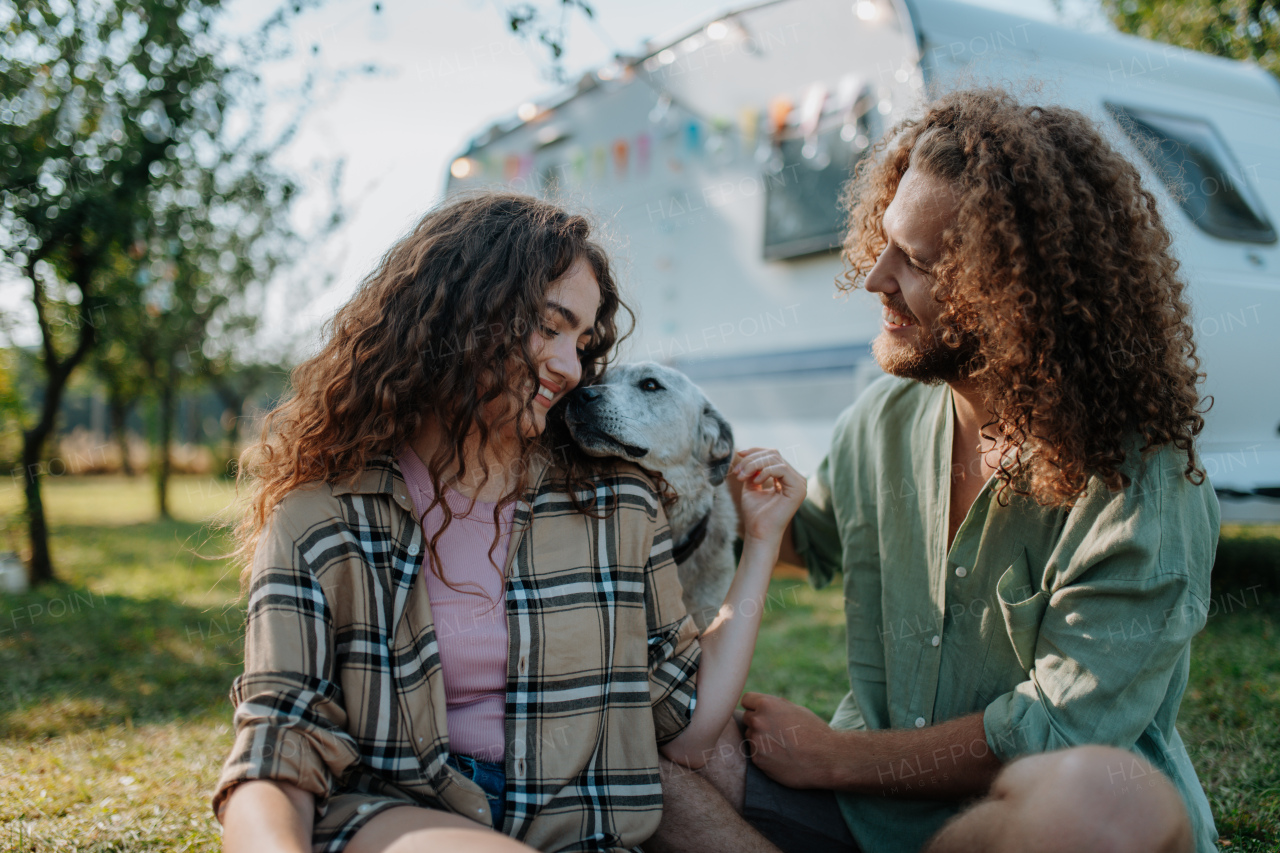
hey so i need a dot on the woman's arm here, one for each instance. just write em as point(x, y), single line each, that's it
point(772, 492)
point(290, 724)
point(270, 816)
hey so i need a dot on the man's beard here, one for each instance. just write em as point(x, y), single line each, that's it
point(929, 360)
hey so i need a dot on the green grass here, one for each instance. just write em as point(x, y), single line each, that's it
point(1230, 718)
point(801, 651)
point(115, 718)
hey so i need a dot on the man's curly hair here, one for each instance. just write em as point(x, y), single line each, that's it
point(1058, 268)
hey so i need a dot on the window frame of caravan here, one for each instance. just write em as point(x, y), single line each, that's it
point(870, 124)
point(1135, 122)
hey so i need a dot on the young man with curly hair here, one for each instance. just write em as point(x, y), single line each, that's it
point(1017, 510)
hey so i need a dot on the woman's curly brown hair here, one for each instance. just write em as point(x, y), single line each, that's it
point(441, 328)
point(1058, 268)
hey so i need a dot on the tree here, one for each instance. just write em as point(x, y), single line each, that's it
point(1237, 29)
point(116, 136)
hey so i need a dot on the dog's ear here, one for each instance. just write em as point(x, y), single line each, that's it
point(716, 443)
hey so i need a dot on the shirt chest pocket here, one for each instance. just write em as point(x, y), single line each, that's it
point(1022, 604)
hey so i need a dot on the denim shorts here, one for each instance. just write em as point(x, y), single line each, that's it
point(490, 776)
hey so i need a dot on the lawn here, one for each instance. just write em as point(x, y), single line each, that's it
point(115, 717)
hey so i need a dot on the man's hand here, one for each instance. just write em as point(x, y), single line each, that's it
point(790, 743)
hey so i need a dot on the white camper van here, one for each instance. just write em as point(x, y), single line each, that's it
point(716, 159)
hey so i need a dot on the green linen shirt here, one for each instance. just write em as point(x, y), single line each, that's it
point(1063, 627)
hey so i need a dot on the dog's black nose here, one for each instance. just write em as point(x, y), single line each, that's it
point(588, 394)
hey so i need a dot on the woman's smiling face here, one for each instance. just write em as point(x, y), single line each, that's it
point(567, 325)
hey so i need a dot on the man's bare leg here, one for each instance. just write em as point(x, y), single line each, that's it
point(701, 808)
point(1095, 798)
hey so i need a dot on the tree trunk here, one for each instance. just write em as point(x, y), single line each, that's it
point(229, 393)
point(168, 395)
point(119, 415)
point(231, 432)
point(40, 569)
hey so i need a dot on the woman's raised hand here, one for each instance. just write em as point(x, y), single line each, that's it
point(772, 491)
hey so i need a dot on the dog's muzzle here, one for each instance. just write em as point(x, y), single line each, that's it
point(586, 423)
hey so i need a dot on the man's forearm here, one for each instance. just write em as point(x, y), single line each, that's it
point(951, 759)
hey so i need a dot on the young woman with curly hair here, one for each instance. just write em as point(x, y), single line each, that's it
point(1024, 533)
point(461, 631)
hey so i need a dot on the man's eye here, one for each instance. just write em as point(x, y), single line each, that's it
point(650, 385)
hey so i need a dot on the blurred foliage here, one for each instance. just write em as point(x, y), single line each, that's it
point(10, 404)
point(1237, 29)
point(1248, 559)
point(548, 28)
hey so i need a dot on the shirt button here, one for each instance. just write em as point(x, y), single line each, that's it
point(363, 808)
point(413, 550)
point(936, 640)
point(961, 571)
point(419, 739)
point(919, 722)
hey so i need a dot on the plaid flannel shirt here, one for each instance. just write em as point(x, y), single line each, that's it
point(343, 696)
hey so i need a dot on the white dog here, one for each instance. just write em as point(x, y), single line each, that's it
point(657, 418)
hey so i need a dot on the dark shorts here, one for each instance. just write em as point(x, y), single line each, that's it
point(795, 821)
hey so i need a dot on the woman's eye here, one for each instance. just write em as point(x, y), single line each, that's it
point(549, 332)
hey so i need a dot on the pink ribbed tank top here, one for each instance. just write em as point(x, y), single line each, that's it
point(471, 625)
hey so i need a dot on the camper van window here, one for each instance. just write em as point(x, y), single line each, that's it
point(802, 193)
point(1193, 162)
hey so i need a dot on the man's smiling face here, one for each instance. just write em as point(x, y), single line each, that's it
point(921, 211)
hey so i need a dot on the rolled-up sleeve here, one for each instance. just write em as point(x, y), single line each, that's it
point(1114, 633)
point(289, 720)
point(674, 650)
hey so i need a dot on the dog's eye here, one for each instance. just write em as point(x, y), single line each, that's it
point(650, 385)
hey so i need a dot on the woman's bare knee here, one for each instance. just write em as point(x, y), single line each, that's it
point(410, 829)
